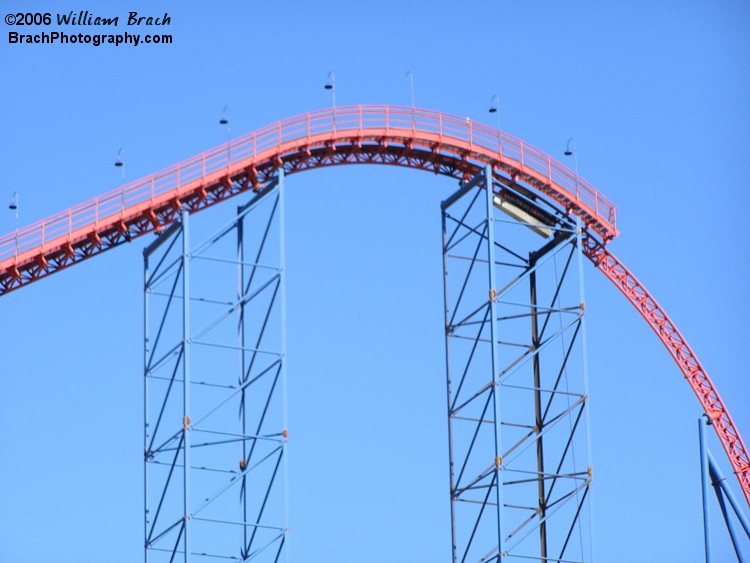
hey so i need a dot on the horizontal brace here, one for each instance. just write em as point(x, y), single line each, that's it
point(239, 263)
point(484, 261)
point(195, 467)
point(489, 421)
point(541, 309)
point(521, 507)
point(528, 472)
point(271, 437)
point(181, 552)
point(462, 490)
point(580, 476)
point(472, 501)
point(547, 559)
point(191, 299)
point(218, 385)
point(475, 323)
point(462, 337)
point(469, 258)
point(216, 443)
point(237, 348)
point(245, 524)
point(542, 390)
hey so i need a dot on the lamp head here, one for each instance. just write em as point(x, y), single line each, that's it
point(494, 104)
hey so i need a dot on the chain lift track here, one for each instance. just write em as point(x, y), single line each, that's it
point(377, 134)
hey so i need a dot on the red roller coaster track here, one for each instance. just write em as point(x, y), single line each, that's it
point(415, 138)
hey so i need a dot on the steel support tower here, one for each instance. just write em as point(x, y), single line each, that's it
point(520, 474)
point(215, 437)
point(517, 394)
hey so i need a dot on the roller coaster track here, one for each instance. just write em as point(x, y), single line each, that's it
point(398, 136)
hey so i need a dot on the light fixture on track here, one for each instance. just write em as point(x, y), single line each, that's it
point(495, 108)
point(331, 85)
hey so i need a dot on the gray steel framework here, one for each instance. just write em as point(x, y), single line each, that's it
point(215, 437)
point(520, 474)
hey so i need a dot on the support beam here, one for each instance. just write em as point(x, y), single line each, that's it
point(710, 472)
point(214, 364)
point(516, 391)
point(494, 357)
point(704, 489)
point(186, 423)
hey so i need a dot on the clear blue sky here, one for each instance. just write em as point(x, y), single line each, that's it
point(656, 95)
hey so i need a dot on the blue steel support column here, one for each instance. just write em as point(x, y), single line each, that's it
point(186, 379)
point(152, 276)
point(241, 342)
point(145, 402)
point(723, 493)
point(704, 486)
point(725, 514)
point(720, 481)
point(585, 357)
point(449, 394)
point(488, 179)
point(282, 289)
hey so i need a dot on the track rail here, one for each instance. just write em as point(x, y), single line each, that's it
point(86, 229)
point(396, 136)
point(681, 352)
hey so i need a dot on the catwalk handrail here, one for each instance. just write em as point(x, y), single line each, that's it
point(359, 120)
